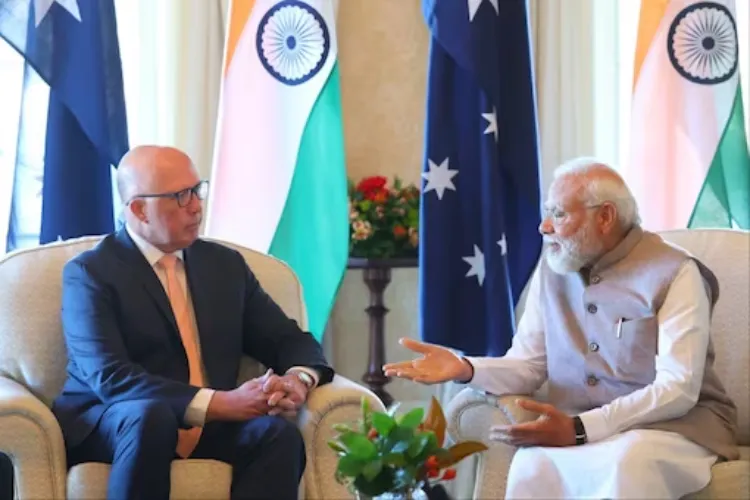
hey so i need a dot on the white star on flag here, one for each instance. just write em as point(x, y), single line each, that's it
point(474, 7)
point(492, 122)
point(439, 178)
point(41, 7)
point(503, 245)
point(477, 265)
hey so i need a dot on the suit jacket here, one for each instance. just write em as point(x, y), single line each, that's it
point(122, 337)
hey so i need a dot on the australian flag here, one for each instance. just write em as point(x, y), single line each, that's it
point(72, 45)
point(481, 196)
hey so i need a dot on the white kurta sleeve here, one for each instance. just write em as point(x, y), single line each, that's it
point(523, 369)
point(684, 326)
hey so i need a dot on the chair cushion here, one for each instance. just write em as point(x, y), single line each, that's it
point(191, 479)
point(726, 253)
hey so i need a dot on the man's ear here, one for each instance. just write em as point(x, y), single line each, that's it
point(608, 217)
point(137, 207)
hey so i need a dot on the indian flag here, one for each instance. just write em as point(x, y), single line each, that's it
point(689, 163)
point(278, 180)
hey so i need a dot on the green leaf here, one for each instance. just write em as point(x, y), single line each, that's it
point(336, 446)
point(412, 419)
point(394, 459)
point(398, 440)
point(358, 446)
point(372, 469)
point(418, 444)
point(431, 448)
point(382, 483)
point(350, 466)
point(383, 423)
point(342, 428)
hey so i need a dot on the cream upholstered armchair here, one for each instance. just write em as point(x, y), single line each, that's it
point(32, 372)
point(727, 252)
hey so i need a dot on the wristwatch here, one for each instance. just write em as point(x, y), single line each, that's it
point(305, 377)
point(581, 437)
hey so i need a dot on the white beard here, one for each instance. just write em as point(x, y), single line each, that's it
point(573, 253)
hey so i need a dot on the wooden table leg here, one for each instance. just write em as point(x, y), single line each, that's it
point(377, 279)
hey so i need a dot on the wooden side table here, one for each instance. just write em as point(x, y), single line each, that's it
point(376, 274)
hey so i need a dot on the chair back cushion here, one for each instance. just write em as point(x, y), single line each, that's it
point(32, 347)
point(727, 254)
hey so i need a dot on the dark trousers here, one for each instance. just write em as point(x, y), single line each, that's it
point(6, 478)
point(138, 438)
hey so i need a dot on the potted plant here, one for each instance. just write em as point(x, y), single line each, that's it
point(398, 457)
point(383, 220)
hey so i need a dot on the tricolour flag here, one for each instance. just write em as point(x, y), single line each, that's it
point(481, 199)
point(72, 45)
point(279, 181)
point(689, 164)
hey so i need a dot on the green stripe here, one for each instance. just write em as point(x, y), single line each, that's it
point(724, 200)
point(313, 233)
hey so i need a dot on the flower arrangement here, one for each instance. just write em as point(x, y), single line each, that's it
point(383, 220)
point(397, 456)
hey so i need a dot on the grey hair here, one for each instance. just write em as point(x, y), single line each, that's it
point(601, 189)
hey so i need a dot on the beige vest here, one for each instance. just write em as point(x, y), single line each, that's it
point(589, 366)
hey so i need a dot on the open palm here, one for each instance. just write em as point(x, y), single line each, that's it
point(436, 364)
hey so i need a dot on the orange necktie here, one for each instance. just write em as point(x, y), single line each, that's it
point(187, 438)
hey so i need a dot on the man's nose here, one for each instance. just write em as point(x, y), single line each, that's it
point(546, 227)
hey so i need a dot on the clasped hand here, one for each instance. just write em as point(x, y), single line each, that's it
point(286, 393)
point(270, 394)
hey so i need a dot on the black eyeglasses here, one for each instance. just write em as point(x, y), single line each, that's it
point(181, 197)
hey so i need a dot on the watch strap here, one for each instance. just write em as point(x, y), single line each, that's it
point(580, 430)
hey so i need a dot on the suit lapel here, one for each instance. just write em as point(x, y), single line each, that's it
point(145, 274)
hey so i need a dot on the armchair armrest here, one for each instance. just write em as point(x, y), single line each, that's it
point(470, 414)
point(338, 402)
point(31, 437)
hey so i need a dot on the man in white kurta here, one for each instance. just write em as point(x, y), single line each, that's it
point(608, 450)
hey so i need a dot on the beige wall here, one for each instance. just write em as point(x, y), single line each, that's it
point(383, 49)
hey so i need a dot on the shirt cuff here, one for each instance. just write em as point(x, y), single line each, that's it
point(313, 373)
point(195, 414)
point(595, 425)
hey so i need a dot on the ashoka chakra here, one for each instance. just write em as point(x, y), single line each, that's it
point(292, 41)
point(702, 43)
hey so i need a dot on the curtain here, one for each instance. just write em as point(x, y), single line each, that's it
point(562, 38)
point(172, 56)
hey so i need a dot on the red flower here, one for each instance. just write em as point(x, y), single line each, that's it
point(369, 184)
point(432, 462)
point(449, 474)
point(399, 231)
point(372, 434)
point(378, 196)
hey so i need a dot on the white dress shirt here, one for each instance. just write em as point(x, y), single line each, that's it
point(195, 414)
point(684, 321)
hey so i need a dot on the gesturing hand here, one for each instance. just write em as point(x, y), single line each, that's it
point(552, 428)
point(436, 365)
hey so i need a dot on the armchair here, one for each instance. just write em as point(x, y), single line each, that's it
point(727, 253)
point(32, 372)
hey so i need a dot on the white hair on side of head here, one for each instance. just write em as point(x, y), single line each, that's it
point(601, 190)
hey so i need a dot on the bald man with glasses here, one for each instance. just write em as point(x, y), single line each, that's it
point(155, 322)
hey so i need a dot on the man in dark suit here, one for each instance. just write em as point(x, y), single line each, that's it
point(156, 321)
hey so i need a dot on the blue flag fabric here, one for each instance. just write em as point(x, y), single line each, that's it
point(72, 45)
point(481, 198)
